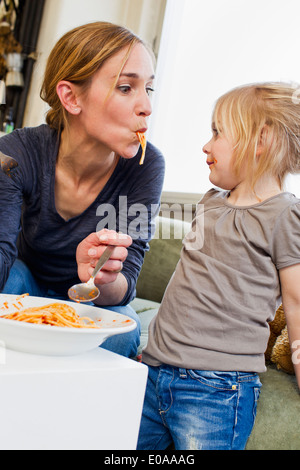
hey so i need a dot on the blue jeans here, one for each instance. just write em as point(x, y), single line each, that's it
point(22, 281)
point(198, 410)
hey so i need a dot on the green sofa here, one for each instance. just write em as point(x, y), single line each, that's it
point(277, 425)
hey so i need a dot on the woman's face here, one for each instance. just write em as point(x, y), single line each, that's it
point(112, 116)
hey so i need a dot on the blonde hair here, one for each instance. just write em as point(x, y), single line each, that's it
point(262, 116)
point(77, 56)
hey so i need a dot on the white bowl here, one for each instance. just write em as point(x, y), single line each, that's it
point(60, 341)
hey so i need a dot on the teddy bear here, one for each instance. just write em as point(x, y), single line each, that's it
point(278, 350)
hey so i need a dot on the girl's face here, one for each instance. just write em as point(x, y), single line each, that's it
point(219, 152)
point(112, 115)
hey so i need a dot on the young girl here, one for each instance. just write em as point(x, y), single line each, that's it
point(206, 345)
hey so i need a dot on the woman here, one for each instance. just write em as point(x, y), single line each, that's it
point(78, 179)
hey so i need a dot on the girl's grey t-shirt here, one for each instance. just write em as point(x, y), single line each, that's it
point(225, 289)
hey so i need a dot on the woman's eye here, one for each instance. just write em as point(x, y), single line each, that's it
point(149, 90)
point(125, 89)
point(215, 132)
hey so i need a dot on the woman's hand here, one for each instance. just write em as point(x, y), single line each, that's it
point(92, 247)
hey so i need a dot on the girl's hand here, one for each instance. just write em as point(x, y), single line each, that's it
point(92, 247)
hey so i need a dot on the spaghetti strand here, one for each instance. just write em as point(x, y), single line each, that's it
point(55, 314)
point(143, 142)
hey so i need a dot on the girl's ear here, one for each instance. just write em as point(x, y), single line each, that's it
point(66, 92)
point(262, 141)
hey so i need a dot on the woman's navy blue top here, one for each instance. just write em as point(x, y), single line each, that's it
point(32, 230)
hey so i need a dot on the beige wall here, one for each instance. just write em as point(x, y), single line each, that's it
point(144, 17)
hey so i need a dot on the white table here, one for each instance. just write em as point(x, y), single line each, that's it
point(88, 402)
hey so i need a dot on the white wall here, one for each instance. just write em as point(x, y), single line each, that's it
point(207, 48)
point(144, 17)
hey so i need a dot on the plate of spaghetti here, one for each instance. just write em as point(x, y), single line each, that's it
point(50, 327)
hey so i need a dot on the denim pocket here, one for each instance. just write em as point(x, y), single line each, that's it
point(216, 379)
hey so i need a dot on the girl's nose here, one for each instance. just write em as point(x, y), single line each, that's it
point(206, 148)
